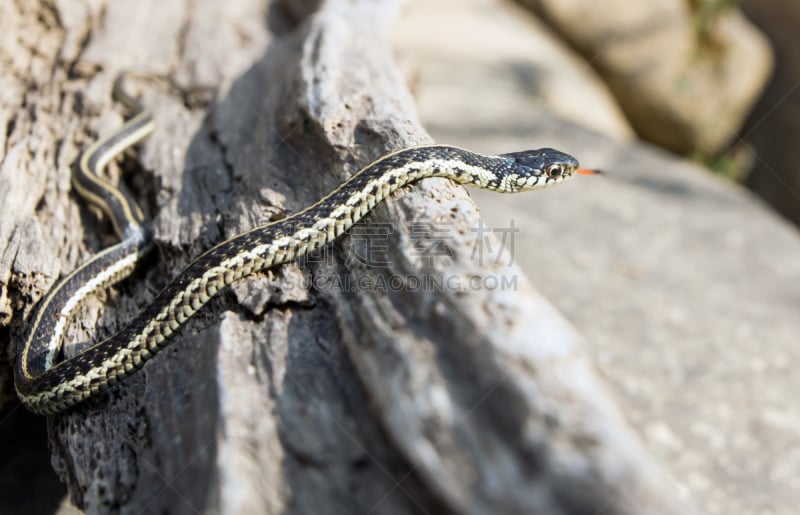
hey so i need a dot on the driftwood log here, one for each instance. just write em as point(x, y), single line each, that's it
point(328, 386)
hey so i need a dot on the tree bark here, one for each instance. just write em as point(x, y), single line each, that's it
point(326, 386)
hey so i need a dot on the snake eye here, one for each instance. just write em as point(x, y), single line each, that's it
point(555, 171)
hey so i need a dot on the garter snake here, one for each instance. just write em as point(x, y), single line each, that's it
point(47, 385)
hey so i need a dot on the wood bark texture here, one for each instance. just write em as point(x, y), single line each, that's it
point(311, 388)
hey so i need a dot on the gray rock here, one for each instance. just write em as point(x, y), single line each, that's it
point(684, 285)
point(535, 68)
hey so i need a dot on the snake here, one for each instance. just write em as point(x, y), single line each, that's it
point(48, 383)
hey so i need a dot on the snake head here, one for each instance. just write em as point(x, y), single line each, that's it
point(532, 169)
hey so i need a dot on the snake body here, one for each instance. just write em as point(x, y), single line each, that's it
point(46, 386)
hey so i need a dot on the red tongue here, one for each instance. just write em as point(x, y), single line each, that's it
point(586, 171)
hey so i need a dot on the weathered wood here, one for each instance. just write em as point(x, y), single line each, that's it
point(384, 397)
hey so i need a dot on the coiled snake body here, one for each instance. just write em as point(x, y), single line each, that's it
point(46, 385)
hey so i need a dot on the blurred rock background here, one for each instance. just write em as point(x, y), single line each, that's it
point(683, 283)
point(685, 72)
point(701, 78)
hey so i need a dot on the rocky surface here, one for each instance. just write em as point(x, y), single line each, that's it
point(684, 285)
point(685, 84)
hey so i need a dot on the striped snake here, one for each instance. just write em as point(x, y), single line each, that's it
point(47, 384)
